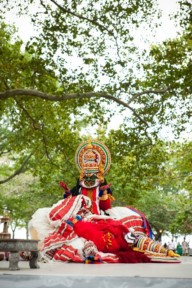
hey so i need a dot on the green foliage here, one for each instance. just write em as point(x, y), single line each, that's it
point(171, 67)
point(168, 205)
point(182, 166)
point(38, 128)
point(89, 46)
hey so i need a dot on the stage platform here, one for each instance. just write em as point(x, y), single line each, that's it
point(73, 275)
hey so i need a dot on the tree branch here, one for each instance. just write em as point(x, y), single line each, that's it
point(46, 148)
point(25, 92)
point(135, 95)
point(34, 93)
point(36, 125)
point(95, 23)
point(17, 172)
point(4, 152)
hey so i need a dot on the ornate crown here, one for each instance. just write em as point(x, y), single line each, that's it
point(92, 157)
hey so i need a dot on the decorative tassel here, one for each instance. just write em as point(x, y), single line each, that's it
point(93, 260)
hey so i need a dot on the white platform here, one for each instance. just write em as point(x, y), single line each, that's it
point(59, 274)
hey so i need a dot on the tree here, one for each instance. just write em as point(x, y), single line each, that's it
point(28, 127)
point(46, 102)
point(182, 166)
point(109, 67)
point(101, 37)
point(168, 203)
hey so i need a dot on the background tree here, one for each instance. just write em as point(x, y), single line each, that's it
point(182, 167)
point(48, 99)
point(172, 63)
point(167, 203)
point(102, 42)
point(32, 130)
point(102, 38)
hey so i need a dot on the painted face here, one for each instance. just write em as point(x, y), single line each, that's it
point(89, 181)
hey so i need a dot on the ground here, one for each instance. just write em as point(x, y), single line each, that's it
point(59, 274)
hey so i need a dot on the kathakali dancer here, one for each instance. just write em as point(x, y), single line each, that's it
point(84, 226)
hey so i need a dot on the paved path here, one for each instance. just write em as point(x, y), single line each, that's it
point(58, 274)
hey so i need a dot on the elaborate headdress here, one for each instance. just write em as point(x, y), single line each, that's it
point(93, 157)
